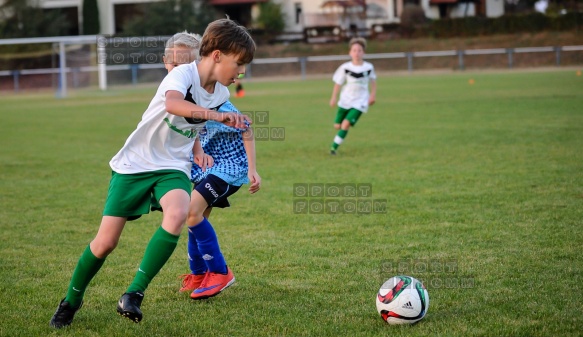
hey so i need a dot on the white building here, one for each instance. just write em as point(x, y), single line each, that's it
point(329, 19)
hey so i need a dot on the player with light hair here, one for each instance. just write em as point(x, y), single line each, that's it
point(231, 165)
point(181, 48)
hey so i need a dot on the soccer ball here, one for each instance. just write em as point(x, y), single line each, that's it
point(402, 300)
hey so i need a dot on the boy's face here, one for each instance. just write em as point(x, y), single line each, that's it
point(173, 57)
point(356, 53)
point(228, 68)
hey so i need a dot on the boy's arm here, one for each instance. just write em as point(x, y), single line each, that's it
point(176, 105)
point(334, 94)
point(373, 92)
point(201, 159)
point(249, 144)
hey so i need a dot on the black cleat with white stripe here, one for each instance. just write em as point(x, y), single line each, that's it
point(129, 306)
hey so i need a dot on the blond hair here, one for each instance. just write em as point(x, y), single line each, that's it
point(357, 40)
point(184, 40)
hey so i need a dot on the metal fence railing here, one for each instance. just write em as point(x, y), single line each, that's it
point(452, 59)
point(92, 73)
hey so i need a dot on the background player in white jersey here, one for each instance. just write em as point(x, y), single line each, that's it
point(155, 160)
point(355, 97)
point(233, 153)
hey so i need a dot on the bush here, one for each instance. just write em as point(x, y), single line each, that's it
point(170, 17)
point(28, 21)
point(412, 19)
point(508, 24)
point(270, 21)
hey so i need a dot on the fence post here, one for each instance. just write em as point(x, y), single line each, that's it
point(134, 69)
point(460, 56)
point(410, 61)
point(558, 55)
point(76, 71)
point(510, 61)
point(303, 60)
point(102, 62)
point(16, 76)
point(62, 93)
point(248, 71)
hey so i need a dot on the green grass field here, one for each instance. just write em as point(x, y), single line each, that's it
point(483, 186)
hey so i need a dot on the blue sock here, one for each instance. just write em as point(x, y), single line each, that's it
point(197, 264)
point(208, 246)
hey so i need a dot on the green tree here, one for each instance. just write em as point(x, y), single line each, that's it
point(271, 18)
point(21, 19)
point(90, 17)
point(169, 17)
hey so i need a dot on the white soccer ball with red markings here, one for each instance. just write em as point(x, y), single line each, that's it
point(402, 300)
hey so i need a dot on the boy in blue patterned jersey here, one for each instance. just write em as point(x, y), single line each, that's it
point(233, 153)
point(155, 160)
point(355, 98)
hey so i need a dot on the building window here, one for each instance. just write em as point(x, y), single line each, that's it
point(298, 7)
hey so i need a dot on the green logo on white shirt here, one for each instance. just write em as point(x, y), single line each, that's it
point(188, 134)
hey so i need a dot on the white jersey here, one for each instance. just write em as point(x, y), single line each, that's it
point(355, 93)
point(163, 141)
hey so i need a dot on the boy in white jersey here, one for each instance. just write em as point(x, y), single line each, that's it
point(233, 154)
point(155, 160)
point(355, 98)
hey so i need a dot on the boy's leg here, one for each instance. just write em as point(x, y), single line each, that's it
point(351, 118)
point(205, 236)
point(219, 276)
point(211, 191)
point(340, 116)
point(338, 124)
point(87, 267)
point(196, 211)
point(208, 192)
point(164, 240)
point(197, 264)
point(160, 248)
point(94, 256)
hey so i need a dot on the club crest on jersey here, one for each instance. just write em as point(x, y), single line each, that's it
point(186, 133)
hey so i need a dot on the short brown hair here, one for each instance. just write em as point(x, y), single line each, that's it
point(228, 37)
point(357, 40)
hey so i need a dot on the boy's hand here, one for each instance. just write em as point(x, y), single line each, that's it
point(203, 160)
point(371, 99)
point(332, 101)
point(254, 181)
point(235, 120)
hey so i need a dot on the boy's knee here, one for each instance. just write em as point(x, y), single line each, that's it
point(194, 217)
point(177, 216)
point(174, 221)
point(102, 248)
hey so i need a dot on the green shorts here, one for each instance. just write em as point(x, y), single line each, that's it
point(130, 195)
point(352, 115)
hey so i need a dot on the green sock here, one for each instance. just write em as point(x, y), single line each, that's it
point(339, 138)
point(87, 267)
point(159, 250)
